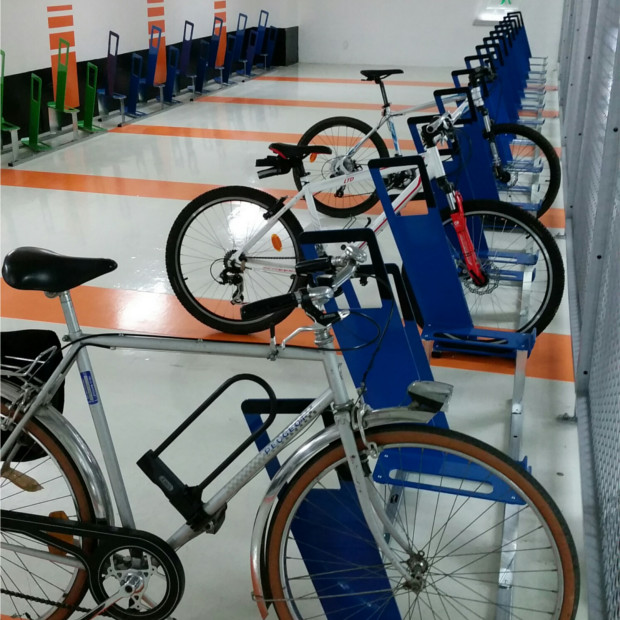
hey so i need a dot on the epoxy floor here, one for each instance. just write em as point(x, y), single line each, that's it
point(117, 195)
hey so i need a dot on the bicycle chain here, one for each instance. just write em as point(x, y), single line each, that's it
point(43, 601)
point(272, 257)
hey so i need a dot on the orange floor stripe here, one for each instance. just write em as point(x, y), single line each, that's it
point(545, 113)
point(155, 313)
point(225, 134)
point(174, 190)
point(306, 103)
point(390, 82)
point(554, 218)
point(217, 134)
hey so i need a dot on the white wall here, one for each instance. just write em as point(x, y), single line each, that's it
point(360, 32)
point(411, 32)
point(282, 13)
point(24, 33)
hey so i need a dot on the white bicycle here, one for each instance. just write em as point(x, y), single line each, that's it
point(234, 245)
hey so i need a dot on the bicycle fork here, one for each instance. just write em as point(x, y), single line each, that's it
point(379, 524)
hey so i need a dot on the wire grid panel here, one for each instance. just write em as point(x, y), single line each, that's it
point(579, 69)
point(595, 158)
point(605, 413)
point(592, 148)
point(566, 42)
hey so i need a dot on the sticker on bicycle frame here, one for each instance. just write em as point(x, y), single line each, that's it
point(89, 388)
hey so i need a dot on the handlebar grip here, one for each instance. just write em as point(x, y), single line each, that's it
point(270, 305)
point(268, 172)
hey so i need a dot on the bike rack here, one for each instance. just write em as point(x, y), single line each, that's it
point(422, 243)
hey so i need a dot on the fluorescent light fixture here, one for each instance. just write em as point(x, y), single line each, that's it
point(493, 14)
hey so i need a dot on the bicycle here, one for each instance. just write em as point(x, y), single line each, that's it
point(521, 156)
point(234, 245)
point(421, 507)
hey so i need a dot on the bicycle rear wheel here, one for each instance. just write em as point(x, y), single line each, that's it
point(43, 480)
point(521, 260)
point(340, 134)
point(464, 509)
point(206, 273)
point(530, 169)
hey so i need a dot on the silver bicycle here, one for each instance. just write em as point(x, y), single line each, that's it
point(375, 515)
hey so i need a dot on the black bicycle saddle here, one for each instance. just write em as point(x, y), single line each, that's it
point(379, 74)
point(34, 269)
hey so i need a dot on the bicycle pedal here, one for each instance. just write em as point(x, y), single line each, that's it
point(66, 538)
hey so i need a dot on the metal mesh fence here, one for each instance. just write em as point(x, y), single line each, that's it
point(590, 106)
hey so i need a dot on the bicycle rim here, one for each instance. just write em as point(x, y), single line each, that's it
point(342, 134)
point(464, 509)
point(48, 485)
point(521, 261)
point(200, 244)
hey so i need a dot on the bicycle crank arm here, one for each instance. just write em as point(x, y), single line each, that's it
point(132, 584)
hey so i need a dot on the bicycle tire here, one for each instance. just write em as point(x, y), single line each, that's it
point(523, 248)
point(206, 231)
point(340, 133)
point(464, 559)
point(56, 474)
point(517, 159)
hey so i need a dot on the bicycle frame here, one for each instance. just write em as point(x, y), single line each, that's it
point(434, 167)
point(335, 394)
point(387, 115)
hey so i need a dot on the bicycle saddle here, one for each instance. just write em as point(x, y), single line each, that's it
point(34, 269)
point(291, 151)
point(379, 74)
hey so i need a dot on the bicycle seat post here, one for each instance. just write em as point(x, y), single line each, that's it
point(386, 103)
point(68, 311)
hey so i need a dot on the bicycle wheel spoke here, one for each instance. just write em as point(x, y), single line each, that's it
point(440, 499)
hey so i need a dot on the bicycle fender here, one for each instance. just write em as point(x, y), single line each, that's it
point(295, 462)
point(80, 453)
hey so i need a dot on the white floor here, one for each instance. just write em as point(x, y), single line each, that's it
point(146, 395)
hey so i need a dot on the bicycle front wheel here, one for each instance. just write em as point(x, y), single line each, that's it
point(530, 170)
point(40, 479)
point(481, 536)
point(342, 134)
point(205, 270)
point(522, 262)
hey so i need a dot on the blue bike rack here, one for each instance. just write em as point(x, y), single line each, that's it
point(339, 564)
point(272, 37)
point(399, 360)
point(134, 86)
point(261, 30)
point(430, 267)
point(201, 66)
point(183, 70)
point(107, 94)
point(171, 75)
point(250, 52)
point(151, 64)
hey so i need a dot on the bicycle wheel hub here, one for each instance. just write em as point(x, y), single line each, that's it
point(233, 274)
point(492, 280)
point(418, 565)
